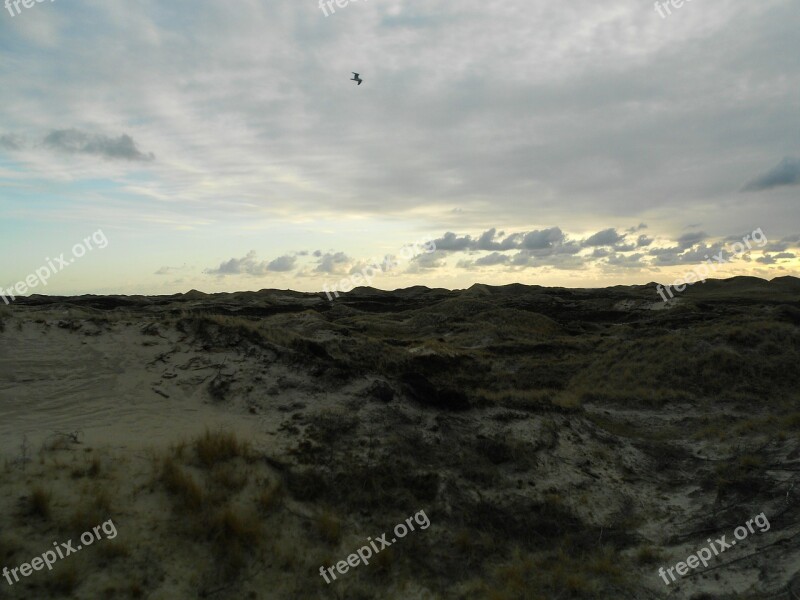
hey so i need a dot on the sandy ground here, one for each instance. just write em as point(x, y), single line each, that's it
point(105, 386)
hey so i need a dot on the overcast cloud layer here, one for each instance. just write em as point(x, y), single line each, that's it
point(581, 143)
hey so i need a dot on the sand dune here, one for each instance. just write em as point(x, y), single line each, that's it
point(564, 443)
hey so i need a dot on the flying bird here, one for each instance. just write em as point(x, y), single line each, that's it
point(357, 78)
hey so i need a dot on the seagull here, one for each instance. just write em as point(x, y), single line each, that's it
point(357, 78)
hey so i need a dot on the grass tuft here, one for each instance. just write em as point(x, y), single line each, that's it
point(183, 486)
point(329, 527)
point(39, 503)
point(220, 446)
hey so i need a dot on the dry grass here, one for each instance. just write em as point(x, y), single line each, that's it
point(216, 500)
point(597, 574)
point(91, 470)
point(329, 425)
point(383, 561)
point(648, 555)
point(212, 327)
point(534, 400)
point(228, 477)
point(568, 401)
point(39, 503)
point(329, 527)
point(187, 493)
point(65, 577)
point(5, 315)
point(10, 545)
point(269, 498)
point(220, 446)
point(113, 550)
point(235, 535)
point(95, 507)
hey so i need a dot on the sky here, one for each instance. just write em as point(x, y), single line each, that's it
point(158, 147)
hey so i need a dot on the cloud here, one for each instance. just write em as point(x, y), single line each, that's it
point(558, 258)
point(249, 265)
point(72, 141)
point(282, 264)
point(495, 258)
point(170, 270)
point(487, 241)
point(634, 261)
point(625, 247)
point(331, 262)
point(450, 242)
point(687, 240)
point(783, 244)
point(666, 257)
point(545, 239)
point(427, 261)
point(542, 239)
point(768, 259)
point(10, 142)
point(552, 248)
point(607, 237)
point(786, 173)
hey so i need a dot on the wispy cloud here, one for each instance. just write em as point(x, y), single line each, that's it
point(73, 141)
point(10, 142)
point(786, 173)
